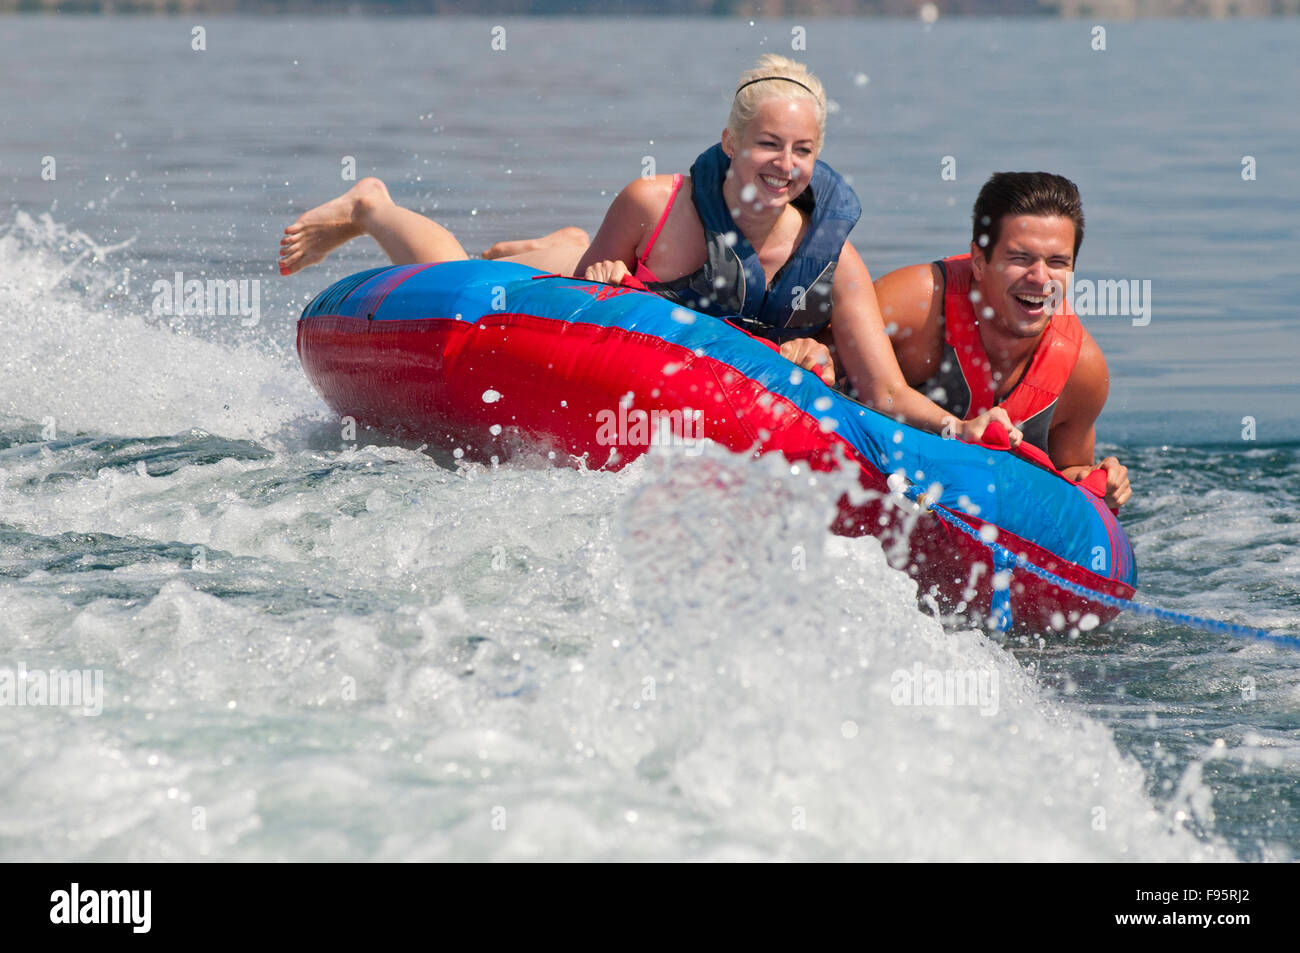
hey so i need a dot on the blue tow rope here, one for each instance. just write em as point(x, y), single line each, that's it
point(1004, 561)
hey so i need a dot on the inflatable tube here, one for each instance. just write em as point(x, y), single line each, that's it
point(490, 357)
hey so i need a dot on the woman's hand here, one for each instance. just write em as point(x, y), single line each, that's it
point(811, 355)
point(972, 431)
point(610, 272)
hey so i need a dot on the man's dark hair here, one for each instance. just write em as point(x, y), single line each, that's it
point(1024, 193)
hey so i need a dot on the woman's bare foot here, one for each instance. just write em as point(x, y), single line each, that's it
point(569, 235)
point(318, 232)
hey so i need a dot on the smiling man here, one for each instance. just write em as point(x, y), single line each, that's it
point(991, 328)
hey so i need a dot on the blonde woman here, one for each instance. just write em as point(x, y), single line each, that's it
point(757, 234)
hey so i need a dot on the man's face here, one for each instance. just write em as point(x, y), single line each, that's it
point(1032, 252)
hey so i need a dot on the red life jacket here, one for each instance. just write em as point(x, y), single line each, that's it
point(968, 388)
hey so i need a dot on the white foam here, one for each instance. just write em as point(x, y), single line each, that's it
point(79, 347)
point(514, 662)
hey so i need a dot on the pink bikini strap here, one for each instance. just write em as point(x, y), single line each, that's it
point(677, 185)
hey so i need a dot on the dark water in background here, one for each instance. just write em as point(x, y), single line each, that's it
point(375, 564)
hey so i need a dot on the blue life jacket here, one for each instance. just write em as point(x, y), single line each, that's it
point(732, 284)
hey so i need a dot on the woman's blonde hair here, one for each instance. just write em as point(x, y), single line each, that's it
point(789, 80)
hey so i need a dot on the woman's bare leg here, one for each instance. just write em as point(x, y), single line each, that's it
point(561, 242)
point(553, 261)
point(407, 237)
point(558, 253)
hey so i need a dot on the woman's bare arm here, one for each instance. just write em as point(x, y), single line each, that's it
point(630, 217)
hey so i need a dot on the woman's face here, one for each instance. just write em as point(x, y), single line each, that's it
point(772, 160)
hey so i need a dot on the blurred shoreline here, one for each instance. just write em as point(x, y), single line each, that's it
point(924, 9)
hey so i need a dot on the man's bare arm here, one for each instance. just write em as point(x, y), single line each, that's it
point(1073, 438)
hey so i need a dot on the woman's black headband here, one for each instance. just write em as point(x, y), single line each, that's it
point(786, 78)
